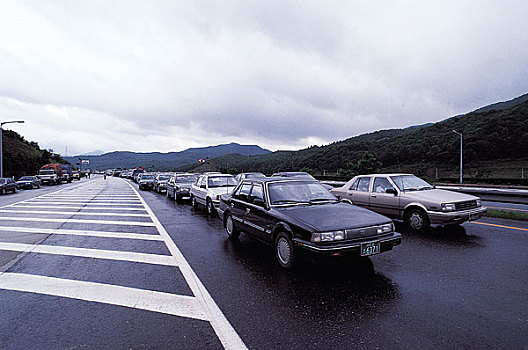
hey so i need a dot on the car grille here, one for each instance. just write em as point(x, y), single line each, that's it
point(465, 205)
point(361, 232)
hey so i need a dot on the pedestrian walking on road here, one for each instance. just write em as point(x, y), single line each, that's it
point(104, 176)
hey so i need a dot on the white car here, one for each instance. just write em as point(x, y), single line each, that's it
point(207, 189)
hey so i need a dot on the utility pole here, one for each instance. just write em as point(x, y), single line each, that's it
point(459, 133)
point(1, 150)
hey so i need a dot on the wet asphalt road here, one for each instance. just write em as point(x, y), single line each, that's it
point(448, 288)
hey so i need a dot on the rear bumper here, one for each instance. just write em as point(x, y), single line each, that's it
point(456, 217)
point(386, 243)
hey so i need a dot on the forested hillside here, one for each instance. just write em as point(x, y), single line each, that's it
point(492, 135)
point(22, 157)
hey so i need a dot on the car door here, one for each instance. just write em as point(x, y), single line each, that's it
point(361, 194)
point(381, 201)
point(239, 207)
point(256, 214)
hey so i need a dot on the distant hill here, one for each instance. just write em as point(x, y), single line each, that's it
point(495, 135)
point(22, 157)
point(504, 105)
point(165, 161)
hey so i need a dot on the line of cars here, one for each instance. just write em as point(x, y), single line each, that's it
point(296, 214)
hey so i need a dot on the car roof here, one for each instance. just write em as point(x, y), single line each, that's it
point(391, 174)
point(279, 179)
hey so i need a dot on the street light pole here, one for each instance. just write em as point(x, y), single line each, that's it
point(1, 150)
point(459, 133)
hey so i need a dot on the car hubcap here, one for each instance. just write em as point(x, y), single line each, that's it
point(283, 250)
point(210, 208)
point(229, 225)
point(416, 221)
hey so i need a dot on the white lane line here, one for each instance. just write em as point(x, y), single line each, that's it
point(87, 201)
point(153, 259)
point(90, 233)
point(69, 212)
point(67, 203)
point(79, 207)
point(223, 329)
point(171, 304)
point(80, 221)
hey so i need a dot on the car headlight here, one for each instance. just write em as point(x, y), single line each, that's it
point(479, 202)
point(328, 236)
point(385, 228)
point(448, 206)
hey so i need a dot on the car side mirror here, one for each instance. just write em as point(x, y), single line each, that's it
point(391, 190)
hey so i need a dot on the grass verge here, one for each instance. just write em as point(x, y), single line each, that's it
point(512, 215)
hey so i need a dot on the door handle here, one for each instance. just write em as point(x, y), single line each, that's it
point(373, 195)
point(248, 210)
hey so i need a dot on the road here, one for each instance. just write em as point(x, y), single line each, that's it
point(90, 278)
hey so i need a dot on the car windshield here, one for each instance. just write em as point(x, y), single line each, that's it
point(185, 178)
point(147, 177)
point(164, 178)
point(255, 176)
point(299, 192)
point(411, 183)
point(47, 172)
point(221, 181)
point(26, 178)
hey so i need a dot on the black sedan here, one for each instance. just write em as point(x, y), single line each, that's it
point(28, 182)
point(293, 214)
point(179, 186)
point(7, 185)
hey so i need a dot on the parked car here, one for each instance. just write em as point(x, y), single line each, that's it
point(76, 175)
point(146, 181)
point(293, 214)
point(8, 185)
point(207, 189)
point(67, 173)
point(179, 186)
point(243, 176)
point(136, 172)
point(411, 199)
point(160, 182)
point(28, 182)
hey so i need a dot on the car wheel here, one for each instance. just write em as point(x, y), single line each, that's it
point(38, 186)
point(14, 190)
point(168, 195)
point(284, 251)
point(194, 203)
point(231, 229)
point(210, 207)
point(2, 191)
point(177, 198)
point(417, 220)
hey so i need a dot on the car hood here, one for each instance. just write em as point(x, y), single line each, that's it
point(334, 216)
point(184, 184)
point(439, 196)
point(24, 181)
point(221, 190)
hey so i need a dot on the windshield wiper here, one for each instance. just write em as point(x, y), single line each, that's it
point(289, 201)
point(425, 188)
point(322, 200)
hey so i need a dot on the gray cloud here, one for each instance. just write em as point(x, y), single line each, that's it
point(165, 75)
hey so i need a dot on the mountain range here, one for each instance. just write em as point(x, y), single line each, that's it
point(164, 161)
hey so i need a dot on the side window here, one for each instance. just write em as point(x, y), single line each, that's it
point(200, 181)
point(363, 184)
point(381, 185)
point(354, 186)
point(257, 195)
point(244, 192)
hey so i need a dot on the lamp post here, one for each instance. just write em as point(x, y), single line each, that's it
point(459, 133)
point(1, 150)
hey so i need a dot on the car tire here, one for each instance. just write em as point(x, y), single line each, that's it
point(168, 194)
point(230, 227)
point(284, 250)
point(194, 203)
point(2, 191)
point(417, 220)
point(38, 186)
point(210, 207)
point(14, 190)
point(177, 198)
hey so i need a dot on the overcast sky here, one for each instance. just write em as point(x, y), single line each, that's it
point(168, 75)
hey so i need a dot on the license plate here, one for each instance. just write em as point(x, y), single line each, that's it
point(370, 248)
point(473, 217)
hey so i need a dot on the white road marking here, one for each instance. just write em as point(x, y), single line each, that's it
point(223, 329)
point(153, 259)
point(70, 213)
point(86, 203)
point(171, 304)
point(80, 221)
point(106, 234)
point(79, 207)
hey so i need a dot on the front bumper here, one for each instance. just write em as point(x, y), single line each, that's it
point(456, 217)
point(353, 247)
point(25, 185)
